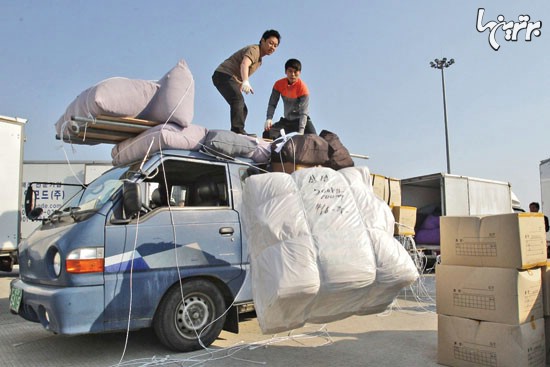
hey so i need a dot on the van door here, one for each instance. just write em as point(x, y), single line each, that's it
point(200, 238)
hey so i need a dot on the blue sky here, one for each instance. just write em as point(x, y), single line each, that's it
point(366, 64)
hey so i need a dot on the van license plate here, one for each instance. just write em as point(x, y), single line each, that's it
point(16, 294)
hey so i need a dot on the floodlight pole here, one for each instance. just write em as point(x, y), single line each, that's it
point(442, 64)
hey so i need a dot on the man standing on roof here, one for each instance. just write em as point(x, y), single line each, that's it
point(232, 76)
point(295, 95)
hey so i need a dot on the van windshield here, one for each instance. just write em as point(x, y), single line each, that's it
point(97, 193)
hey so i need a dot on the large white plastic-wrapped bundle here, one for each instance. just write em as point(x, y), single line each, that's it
point(394, 271)
point(352, 264)
point(283, 257)
point(344, 253)
point(375, 212)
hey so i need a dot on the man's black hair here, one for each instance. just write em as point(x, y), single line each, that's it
point(271, 33)
point(293, 63)
point(535, 204)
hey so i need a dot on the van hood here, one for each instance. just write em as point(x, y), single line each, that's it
point(36, 253)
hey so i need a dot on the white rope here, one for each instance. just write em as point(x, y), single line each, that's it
point(131, 292)
point(231, 352)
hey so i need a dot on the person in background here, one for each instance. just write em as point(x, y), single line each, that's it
point(231, 77)
point(534, 207)
point(295, 95)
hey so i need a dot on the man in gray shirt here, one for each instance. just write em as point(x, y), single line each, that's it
point(231, 77)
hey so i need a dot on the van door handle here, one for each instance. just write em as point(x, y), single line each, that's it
point(226, 231)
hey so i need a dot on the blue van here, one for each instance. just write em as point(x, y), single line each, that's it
point(155, 244)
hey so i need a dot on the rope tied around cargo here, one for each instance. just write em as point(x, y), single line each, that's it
point(282, 140)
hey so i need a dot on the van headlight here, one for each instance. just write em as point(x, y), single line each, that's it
point(57, 264)
point(52, 260)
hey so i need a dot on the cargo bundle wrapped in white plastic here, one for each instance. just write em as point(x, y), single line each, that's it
point(321, 247)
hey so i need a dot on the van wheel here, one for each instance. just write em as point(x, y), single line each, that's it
point(179, 325)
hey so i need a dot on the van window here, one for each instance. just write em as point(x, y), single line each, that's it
point(184, 183)
point(98, 192)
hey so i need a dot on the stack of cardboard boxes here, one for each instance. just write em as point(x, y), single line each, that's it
point(489, 290)
point(389, 190)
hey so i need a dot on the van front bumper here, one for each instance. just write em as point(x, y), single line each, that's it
point(66, 310)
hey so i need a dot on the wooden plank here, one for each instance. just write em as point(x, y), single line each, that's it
point(108, 136)
point(129, 120)
point(129, 125)
point(134, 130)
point(133, 126)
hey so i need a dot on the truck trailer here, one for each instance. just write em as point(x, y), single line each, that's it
point(443, 194)
point(12, 135)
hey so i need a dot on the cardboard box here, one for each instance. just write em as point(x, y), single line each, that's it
point(515, 240)
point(466, 342)
point(287, 167)
point(380, 186)
point(545, 271)
point(405, 219)
point(503, 295)
point(394, 198)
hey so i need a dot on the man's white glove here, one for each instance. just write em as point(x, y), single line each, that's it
point(301, 131)
point(246, 87)
point(268, 124)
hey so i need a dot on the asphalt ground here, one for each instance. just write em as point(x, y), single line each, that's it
point(404, 335)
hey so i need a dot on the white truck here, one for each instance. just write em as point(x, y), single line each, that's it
point(55, 182)
point(12, 138)
point(545, 189)
point(442, 194)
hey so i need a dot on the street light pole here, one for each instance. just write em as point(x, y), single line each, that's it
point(441, 64)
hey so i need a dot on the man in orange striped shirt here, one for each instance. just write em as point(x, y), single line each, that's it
point(295, 95)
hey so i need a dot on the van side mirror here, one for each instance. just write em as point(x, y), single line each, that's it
point(131, 198)
point(30, 201)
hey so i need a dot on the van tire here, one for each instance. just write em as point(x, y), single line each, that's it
point(206, 307)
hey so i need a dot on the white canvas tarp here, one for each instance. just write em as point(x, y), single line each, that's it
point(321, 247)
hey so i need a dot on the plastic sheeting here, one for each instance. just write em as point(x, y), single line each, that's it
point(321, 247)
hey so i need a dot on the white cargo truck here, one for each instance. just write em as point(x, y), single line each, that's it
point(443, 194)
point(55, 182)
point(12, 135)
point(545, 189)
